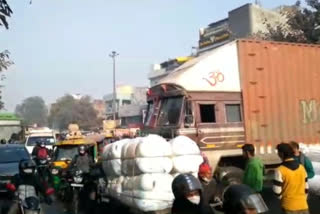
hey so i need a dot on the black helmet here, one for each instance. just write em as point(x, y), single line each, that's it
point(27, 167)
point(239, 197)
point(184, 184)
point(82, 150)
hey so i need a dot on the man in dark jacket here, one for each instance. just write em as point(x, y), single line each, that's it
point(209, 185)
point(82, 161)
point(27, 184)
point(187, 191)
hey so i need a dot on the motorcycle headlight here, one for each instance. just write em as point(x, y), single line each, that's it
point(43, 161)
point(55, 171)
point(77, 179)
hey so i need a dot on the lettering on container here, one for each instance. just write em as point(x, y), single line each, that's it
point(214, 78)
point(310, 111)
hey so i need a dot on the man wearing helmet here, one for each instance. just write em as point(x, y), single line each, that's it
point(40, 151)
point(27, 184)
point(187, 191)
point(241, 199)
point(82, 161)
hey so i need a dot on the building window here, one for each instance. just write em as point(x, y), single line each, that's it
point(207, 113)
point(126, 102)
point(233, 112)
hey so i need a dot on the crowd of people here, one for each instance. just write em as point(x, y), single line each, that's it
point(290, 185)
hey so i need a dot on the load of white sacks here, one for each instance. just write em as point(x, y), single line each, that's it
point(140, 171)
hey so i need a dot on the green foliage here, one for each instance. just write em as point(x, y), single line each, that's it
point(5, 12)
point(5, 62)
point(69, 110)
point(33, 111)
point(303, 24)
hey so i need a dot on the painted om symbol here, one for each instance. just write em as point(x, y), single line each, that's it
point(214, 78)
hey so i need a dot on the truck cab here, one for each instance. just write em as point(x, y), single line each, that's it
point(213, 120)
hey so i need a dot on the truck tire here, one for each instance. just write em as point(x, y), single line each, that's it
point(227, 176)
point(230, 175)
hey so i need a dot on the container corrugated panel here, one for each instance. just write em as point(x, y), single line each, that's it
point(280, 84)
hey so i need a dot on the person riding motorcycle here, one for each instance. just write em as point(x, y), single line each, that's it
point(40, 151)
point(27, 184)
point(82, 161)
point(188, 192)
point(241, 199)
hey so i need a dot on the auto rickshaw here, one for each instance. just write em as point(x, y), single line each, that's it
point(66, 150)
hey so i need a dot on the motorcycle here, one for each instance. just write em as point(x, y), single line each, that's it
point(43, 170)
point(77, 185)
point(30, 205)
point(28, 201)
point(83, 191)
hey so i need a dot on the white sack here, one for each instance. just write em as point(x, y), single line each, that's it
point(153, 146)
point(112, 168)
point(139, 166)
point(149, 182)
point(114, 150)
point(146, 205)
point(129, 149)
point(183, 145)
point(187, 163)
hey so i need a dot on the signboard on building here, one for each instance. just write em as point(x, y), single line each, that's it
point(215, 34)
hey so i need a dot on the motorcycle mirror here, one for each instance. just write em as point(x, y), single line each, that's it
point(11, 187)
point(49, 191)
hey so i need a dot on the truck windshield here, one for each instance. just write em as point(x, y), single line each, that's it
point(150, 113)
point(170, 111)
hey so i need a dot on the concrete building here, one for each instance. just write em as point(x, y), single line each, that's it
point(242, 22)
point(126, 96)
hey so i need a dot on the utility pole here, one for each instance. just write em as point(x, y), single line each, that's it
point(113, 56)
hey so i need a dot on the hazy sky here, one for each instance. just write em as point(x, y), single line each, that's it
point(62, 46)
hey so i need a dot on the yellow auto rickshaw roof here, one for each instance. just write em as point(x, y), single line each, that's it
point(76, 141)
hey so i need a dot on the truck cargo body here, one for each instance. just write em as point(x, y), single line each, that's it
point(250, 91)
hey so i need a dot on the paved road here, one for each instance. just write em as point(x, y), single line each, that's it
point(271, 201)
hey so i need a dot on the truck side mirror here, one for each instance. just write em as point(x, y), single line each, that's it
point(188, 120)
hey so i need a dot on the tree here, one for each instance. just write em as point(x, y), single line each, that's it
point(5, 12)
point(69, 110)
point(303, 24)
point(33, 110)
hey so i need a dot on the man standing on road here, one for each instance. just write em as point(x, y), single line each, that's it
point(302, 159)
point(290, 182)
point(253, 174)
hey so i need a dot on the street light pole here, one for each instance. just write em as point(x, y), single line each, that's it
point(113, 56)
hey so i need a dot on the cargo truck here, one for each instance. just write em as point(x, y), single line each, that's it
point(246, 91)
